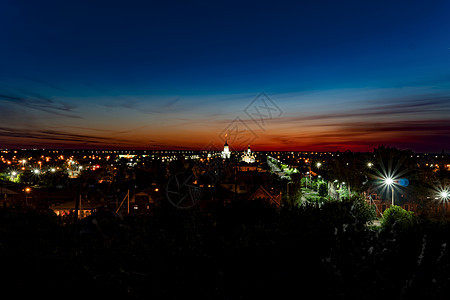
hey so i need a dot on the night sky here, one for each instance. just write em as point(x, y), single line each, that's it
point(332, 75)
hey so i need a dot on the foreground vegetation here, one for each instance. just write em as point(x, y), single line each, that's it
point(244, 251)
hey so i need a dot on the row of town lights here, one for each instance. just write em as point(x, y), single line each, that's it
point(37, 171)
point(444, 195)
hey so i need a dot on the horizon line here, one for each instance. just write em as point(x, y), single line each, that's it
point(211, 150)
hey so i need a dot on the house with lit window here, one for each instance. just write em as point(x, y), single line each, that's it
point(381, 204)
point(144, 200)
point(85, 208)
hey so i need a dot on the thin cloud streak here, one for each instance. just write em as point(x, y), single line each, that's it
point(358, 135)
point(418, 107)
point(53, 135)
point(42, 104)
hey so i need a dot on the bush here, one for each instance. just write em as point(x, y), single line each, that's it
point(323, 188)
point(396, 217)
point(305, 181)
point(359, 209)
point(314, 198)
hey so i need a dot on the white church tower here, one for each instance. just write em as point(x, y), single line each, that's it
point(226, 150)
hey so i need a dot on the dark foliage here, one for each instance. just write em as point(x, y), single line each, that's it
point(246, 250)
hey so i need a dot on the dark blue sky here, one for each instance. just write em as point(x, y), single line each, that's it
point(159, 72)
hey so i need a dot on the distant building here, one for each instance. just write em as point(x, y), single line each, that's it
point(144, 200)
point(240, 187)
point(68, 208)
point(245, 167)
point(226, 150)
point(267, 195)
point(7, 197)
point(380, 204)
point(248, 156)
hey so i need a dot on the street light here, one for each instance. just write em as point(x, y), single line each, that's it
point(27, 190)
point(390, 182)
point(310, 180)
point(370, 165)
point(444, 195)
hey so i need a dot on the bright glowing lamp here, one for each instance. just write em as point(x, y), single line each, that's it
point(445, 195)
point(390, 182)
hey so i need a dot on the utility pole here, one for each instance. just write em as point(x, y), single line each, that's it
point(127, 196)
point(235, 186)
point(392, 188)
point(287, 194)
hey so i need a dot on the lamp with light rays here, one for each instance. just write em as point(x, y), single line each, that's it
point(390, 183)
point(444, 195)
point(390, 177)
point(13, 175)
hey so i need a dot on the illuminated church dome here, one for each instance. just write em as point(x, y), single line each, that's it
point(248, 156)
point(226, 150)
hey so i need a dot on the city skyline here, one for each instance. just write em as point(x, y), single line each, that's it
point(346, 76)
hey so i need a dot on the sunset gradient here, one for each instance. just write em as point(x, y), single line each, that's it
point(176, 75)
